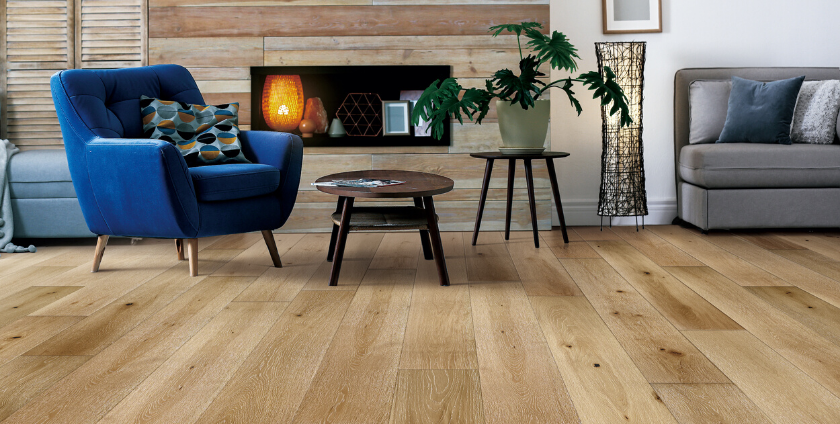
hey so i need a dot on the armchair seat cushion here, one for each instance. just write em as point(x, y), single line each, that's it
point(234, 181)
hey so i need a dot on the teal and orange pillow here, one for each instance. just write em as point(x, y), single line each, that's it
point(177, 122)
point(217, 145)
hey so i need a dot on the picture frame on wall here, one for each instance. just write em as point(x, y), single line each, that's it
point(632, 16)
point(395, 117)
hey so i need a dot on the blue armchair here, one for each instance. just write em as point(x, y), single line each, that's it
point(129, 185)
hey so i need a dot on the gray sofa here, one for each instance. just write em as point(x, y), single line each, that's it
point(44, 202)
point(730, 186)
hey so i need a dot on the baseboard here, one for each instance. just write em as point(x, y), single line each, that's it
point(585, 212)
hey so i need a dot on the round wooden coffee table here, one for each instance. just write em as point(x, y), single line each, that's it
point(418, 185)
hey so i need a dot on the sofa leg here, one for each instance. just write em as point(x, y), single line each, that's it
point(179, 247)
point(101, 242)
point(192, 252)
point(272, 248)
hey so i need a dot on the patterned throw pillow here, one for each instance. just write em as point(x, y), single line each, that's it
point(176, 122)
point(217, 145)
point(815, 117)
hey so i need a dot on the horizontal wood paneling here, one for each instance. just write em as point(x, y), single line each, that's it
point(207, 51)
point(298, 21)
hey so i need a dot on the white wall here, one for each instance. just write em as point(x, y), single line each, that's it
point(697, 33)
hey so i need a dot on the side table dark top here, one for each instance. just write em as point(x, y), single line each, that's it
point(500, 155)
point(417, 184)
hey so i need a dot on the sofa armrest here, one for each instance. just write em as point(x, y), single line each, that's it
point(142, 187)
point(283, 151)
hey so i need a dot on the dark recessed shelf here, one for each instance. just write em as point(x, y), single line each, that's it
point(333, 83)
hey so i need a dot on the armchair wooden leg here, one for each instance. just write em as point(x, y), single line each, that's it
point(272, 248)
point(192, 252)
point(101, 241)
point(179, 247)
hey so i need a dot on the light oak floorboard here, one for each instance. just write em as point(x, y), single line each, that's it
point(681, 306)
point(29, 300)
point(767, 241)
point(437, 396)
point(804, 307)
point(27, 376)
point(270, 385)
point(797, 343)
point(439, 333)
point(27, 332)
point(184, 385)
point(520, 382)
point(795, 274)
point(356, 380)
point(13, 284)
point(107, 325)
point(815, 242)
point(255, 260)
point(96, 387)
point(659, 350)
point(358, 253)
point(710, 403)
point(539, 270)
point(781, 390)
point(489, 259)
point(813, 261)
point(397, 251)
point(659, 251)
point(728, 264)
point(595, 233)
point(603, 382)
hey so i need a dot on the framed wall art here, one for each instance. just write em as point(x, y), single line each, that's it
point(395, 116)
point(632, 16)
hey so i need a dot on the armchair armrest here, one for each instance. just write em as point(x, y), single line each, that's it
point(283, 151)
point(142, 188)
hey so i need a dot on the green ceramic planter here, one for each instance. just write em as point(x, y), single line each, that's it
point(522, 128)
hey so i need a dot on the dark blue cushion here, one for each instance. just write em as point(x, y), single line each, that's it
point(234, 181)
point(760, 112)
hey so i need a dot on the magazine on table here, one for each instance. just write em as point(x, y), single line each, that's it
point(361, 182)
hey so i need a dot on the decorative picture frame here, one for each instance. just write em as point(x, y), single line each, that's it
point(395, 117)
point(632, 16)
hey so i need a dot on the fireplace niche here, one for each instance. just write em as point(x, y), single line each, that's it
point(336, 84)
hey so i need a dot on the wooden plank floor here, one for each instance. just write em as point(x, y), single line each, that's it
point(661, 326)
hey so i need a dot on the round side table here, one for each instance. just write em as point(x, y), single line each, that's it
point(418, 185)
point(529, 179)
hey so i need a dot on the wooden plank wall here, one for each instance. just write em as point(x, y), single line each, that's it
point(219, 41)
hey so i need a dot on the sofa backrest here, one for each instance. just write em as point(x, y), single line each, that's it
point(685, 77)
point(108, 101)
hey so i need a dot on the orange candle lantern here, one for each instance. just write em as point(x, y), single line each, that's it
point(282, 102)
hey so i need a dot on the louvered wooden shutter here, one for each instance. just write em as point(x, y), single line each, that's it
point(39, 40)
point(111, 33)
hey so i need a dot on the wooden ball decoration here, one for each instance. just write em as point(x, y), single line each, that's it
point(307, 128)
point(282, 102)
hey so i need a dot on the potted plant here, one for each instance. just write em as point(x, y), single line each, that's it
point(523, 117)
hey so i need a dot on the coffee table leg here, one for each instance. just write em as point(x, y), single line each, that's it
point(343, 229)
point(334, 234)
point(424, 234)
point(529, 179)
point(484, 186)
point(511, 173)
point(437, 246)
point(553, 177)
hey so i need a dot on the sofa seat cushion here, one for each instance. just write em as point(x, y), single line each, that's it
point(40, 174)
point(745, 165)
point(234, 181)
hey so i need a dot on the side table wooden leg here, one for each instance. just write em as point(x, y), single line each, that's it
point(437, 246)
point(529, 179)
point(341, 240)
point(484, 187)
point(511, 173)
point(556, 191)
point(179, 248)
point(334, 234)
point(424, 234)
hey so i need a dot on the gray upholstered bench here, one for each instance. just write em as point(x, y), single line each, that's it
point(43, 199)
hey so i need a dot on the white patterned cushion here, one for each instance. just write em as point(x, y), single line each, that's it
point(815, 117)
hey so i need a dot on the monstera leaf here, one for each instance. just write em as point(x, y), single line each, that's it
point(609, 92)
point(514, 28)
point(519, 89)
point(556, 50)
point(438, 103)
